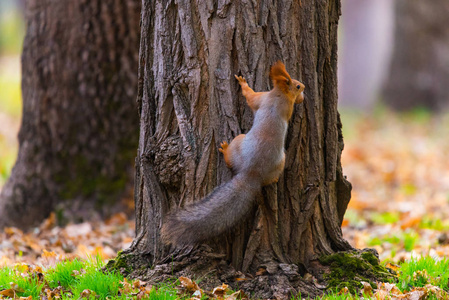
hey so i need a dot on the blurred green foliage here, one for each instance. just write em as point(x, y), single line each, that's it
point(10, 93)
point(12, 30)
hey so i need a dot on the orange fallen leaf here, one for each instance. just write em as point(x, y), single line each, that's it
point(240, 279)
point(10, 293)
point(343, 291)
point(219, 291)
point(367, 289)
point(49, 223)
point(410, 222)
point(48, 254)
point(127, 288)
point(237, 295)
point(261, 271)
point(189, 284)
point(11, 231)
point(392, 268)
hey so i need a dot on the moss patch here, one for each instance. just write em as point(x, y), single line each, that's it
point(119, 264)
point(349, 269)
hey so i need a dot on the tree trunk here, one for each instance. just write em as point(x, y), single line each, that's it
point(79, 128)
point(190, 102)
point(419, 73)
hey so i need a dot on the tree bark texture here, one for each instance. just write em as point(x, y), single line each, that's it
point(79, 129)
point(190, 102)
point(419, 73)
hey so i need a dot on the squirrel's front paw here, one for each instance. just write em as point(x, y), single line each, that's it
point(241, 79)
point(224, 147)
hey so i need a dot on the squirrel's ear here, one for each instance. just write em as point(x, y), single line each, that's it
point(279, 76)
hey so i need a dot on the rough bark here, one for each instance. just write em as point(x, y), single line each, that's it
point(419, 73)
point(79, 129)
point(190, 102)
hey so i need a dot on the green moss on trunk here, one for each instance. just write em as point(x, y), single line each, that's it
point(349, 269)
point(119, 264)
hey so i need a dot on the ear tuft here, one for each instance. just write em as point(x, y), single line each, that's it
point(280, 77)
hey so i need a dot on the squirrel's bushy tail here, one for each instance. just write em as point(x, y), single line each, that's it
point(213, 215)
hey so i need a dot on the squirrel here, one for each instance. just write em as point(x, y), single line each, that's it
point(256, 158)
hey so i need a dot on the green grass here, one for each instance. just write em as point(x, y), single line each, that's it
point(406, 240)
point(102, 284)
point(418, 272)
point(62, 273)
point(385, 217)
point(23, 285)
point(77, 276)
point(73, 277)
point(428, 222)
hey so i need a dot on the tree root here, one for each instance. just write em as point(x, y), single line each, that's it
point(271, 281)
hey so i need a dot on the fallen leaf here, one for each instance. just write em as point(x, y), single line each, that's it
point(219, 291)
point(77, 230)
point(261, 271)
point(188, 284)
point(411, 222)
point(127, 288)
point(8, 293)
point(367, 289)
point(394, 269)
point(344, 291)
point(87, 293)
point(381, 295)
point(241, 279)
point(237, 295)
point(48, 223)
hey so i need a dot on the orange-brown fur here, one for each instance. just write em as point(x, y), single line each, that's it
point(256, 158)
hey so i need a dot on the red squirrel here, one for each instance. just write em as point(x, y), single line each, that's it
point(256, 158)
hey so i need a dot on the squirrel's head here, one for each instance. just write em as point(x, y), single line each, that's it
point(282, 80)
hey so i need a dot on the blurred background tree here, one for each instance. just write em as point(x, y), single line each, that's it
point(419, 70)
point(79, 130)
point(394, 51)
point(366, 38)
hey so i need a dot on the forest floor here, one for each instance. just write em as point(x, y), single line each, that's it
point(399, 169)
point(400, 200)
point(397, 164)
